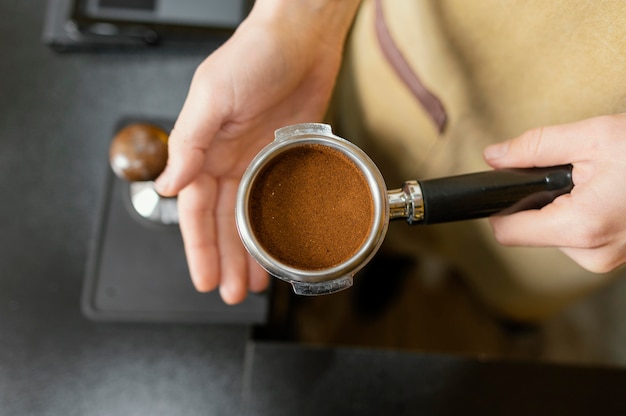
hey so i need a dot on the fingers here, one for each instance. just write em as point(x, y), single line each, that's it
point(196, 205)
point(215, 254)
point(590, 249)
point(547, 226)
point(258, 279)
point(239, 272)
point(546, 146)
point(584, 229)
point(232, 255)
point(575, 220)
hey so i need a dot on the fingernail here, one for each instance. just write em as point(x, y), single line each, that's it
point(496, 151)
point(162, 184)
point(230, 294)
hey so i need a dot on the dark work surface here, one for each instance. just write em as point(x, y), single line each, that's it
point(56, 112)
point(331, 381)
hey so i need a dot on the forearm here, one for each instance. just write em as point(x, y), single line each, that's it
point(327, 20)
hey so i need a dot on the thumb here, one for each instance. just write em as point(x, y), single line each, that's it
point(184, 162)
point(195, 128)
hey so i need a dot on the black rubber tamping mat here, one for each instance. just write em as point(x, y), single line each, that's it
point(137, 269)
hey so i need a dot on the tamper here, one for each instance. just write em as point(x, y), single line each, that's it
point(138, 154)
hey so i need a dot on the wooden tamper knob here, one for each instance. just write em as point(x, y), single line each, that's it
point(139, 152)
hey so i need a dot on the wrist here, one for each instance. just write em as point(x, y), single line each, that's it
point(326, 19)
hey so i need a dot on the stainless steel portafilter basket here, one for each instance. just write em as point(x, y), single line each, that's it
point(329, 280)
point(418, 202)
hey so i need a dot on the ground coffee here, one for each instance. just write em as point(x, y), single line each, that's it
point(311, 207)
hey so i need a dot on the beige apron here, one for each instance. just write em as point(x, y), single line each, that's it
point(427, 85)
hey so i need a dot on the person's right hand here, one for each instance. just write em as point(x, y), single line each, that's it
point(588, 223)
point(278, 68)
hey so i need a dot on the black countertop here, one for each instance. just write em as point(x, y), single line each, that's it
point(56, 112)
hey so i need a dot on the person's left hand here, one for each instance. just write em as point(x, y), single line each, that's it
point(278, 68)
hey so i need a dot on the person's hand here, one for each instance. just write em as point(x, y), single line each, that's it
point(278, 68)
point(588, 224)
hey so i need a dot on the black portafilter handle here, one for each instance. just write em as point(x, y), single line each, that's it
point(503, 191)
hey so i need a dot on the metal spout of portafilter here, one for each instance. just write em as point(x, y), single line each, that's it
point(138, 155)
